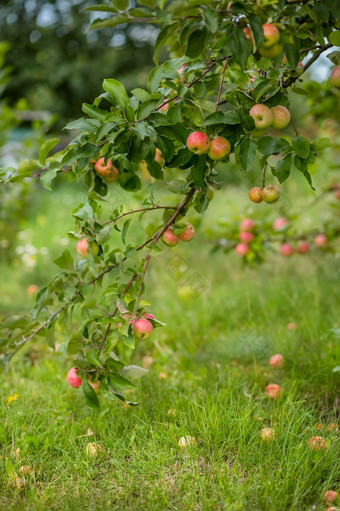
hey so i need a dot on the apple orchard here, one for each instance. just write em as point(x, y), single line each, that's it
point(221, 95)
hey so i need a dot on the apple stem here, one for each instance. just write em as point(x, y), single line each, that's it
point(264, 175)
point(294, 126)
point(153, 208)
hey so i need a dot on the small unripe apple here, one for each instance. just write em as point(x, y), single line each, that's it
point(281, 117)
point(198, 142)
point(219, 148)
point(276, 361)
point(242, 249)
point(247, 224)
point(159, 157)
point(303, 247)
point(186, 441)
point(330, 495)
point(316, 443)
point(273, 391)
point(210, 193)
point(286, 249)
point(320, 240)
point(32, 289)
point(169, 238)
point(142, 328)
point(271, 35)
point(268, 434)
point(262, 115)
point(292, 326)
point(95, 385)
point(335, 76)
point(272, 52)
point(83, 245)
point(188, 234)
point(280, 224)
point(249, 35)
point(73, 379)
point(270, 194)
point(255, 194)
point(246, 237)
point(107, 171)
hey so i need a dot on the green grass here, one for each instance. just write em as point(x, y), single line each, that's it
point(213, 356)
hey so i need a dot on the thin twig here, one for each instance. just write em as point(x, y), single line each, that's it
point(264, 175)
point(221, 84)
point(316, 55)
point(138, 211)
point(294, 126)
point(147, 260)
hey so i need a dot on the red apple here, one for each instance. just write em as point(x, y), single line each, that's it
point(247, 224)
point(188, 234)
point(262, 115)
point(198, 142)
point(32, 289)
point(142, 328)
point(107, 171)
point(273, 391)
point(280, 224)
point(83, 245)
point(335, 76)
point(270, 194)
point(320, 240)
point(158, 157)
point(286, 249)
point(169, 238)
point(271, 35)
point(316, 443)
point(276, 361)
point(338, 194)
point(242, 249)
point(248, 34)
point(219, 148)
point(330, 495)
point(246, 237)
point(73, 379)
point(303, 247)
point(255, 194)
point(281, 117)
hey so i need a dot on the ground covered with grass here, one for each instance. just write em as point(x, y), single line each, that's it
point(208, 372)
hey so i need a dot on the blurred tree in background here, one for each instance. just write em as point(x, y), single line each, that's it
point(57, 64)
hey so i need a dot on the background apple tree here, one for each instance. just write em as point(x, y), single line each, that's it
point(222, 94)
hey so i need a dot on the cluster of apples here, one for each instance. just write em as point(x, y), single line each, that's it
point(271, 46)
point(278, 117)
point(303, 247)
point(171, 239)
point(268, 194)
point(246, 236)
point(217, 149)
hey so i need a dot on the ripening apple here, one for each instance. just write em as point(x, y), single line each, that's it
point(142, 328)
point(106, 170)
point(169, 238)
point(292, 326)
point(83, 245)
point(272, 52)
point(248, 34)
point(188, 234)
point(159, 157)
point(276, 361)
point(247, 224)
point(320, 240)
point(262, 115)
point(338, 194)
point(73, 379)
point(271, 35)
point(210, 193)
point(272, 391)
point(242, 249)
point(164, 108)
point(316, 443)
point(270, 194)
point(95, 385)
point(303, 247)
point(286, 249)
point(219, 148)
point(330, 495)
point(255, 194)
point(32, 289)
point(198, 142)
point(280, 224)
point(281, 117)
point(268, 434)
point(246, 237)
point(335, 76)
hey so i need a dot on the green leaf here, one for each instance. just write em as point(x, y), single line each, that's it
point(46, 148)
point(65, 260)
point(15, 322)
point(117, 90)
point(119, 383)
point(283, 167)
point(125, 229)
point(26, 166)
point(133, 372)
point(155, 78)
point(82, 124)
point(239, 47)
point(292, 52)
point(121, 5)
point(162, 37)
point(94, 111)
point(83, 212)
point(90, 396)
point(93, 357)
point(145, 109)
point(198, 172)
point(301, 147)
point(47, 178)
point(256, 28)
point(103, 235)
point(272, 145)
point(210, 17)
point(245, 153)
point(196, 43)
